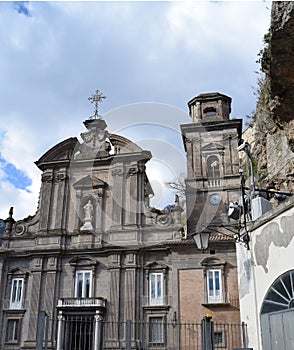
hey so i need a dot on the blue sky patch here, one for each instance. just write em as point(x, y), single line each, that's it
point(15, 176)
point(20, 6)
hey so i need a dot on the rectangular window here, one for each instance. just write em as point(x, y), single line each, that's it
point(214, 286)
point(220, 339)
point(83, 284)
point(156, 288)
point(16, 293)
point(156, 330)
point(12, 330)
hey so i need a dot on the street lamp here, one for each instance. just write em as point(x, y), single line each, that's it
point(201, 240)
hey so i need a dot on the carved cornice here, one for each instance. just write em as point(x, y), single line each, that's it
point(58, 177)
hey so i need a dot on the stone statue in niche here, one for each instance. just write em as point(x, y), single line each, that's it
point(88, 211)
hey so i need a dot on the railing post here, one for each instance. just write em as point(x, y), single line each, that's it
point(244, 335)
point(128, 335)
point(207, 333)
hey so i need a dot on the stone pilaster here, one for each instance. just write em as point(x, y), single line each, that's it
point(99, 210)
point(45, 200)
point(117, 196)
point(3, 282)
point(131, 196)
point(34, 293)
point(130, 291)
point(49, 290)
point(61, 182)
point(114, 269)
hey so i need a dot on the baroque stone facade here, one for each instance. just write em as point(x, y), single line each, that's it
point(95, 249)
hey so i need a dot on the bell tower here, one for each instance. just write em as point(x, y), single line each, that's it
point(211, 142)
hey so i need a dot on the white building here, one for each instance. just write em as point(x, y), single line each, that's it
point(266, 280)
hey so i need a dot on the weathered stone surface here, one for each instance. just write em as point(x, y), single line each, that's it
point(282, 66)
point(274, 122)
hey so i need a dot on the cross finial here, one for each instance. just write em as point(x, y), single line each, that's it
point(96, 98)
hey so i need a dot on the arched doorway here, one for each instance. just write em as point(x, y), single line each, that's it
point(277, 314)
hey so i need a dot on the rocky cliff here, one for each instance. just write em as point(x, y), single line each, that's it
point(274, 119)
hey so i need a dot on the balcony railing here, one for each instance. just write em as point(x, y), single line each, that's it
point(82, 302)
point(22, 305)
point(160, 301)
point(214, 183)
point(224, 298)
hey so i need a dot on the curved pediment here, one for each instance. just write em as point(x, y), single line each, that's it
point(123, 145)
point(62, 151)
point(212, 261)
point(83, 261)
point(154, 265)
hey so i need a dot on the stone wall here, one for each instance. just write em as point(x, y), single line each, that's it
point(274, 119)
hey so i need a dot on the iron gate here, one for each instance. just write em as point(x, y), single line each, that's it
point(82, 333)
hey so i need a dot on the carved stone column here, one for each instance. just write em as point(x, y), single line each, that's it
point(98, 330)
point(60, 320)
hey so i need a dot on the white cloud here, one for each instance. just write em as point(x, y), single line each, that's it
point(163, 52)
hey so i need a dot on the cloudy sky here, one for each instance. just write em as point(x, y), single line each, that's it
point(148, 58)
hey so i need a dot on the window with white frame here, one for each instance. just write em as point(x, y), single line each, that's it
point(12, 331)
point(156, 288)
point(83, 286)
point(214, 286)
point(156, 330)
point(16, 293)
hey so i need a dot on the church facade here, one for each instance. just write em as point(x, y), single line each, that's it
point(96, 253)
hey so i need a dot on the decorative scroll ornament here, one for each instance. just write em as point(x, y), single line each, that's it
point(61, 177)
point(47, 178)
point(20, 228)
point(117, 172)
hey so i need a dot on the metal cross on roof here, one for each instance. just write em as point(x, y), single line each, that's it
point(96, 98)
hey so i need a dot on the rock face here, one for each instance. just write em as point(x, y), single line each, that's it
point(274, 123)
point(281, 72)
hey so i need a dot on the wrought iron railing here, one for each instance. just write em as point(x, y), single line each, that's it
point(86, 332)
point(160, 301)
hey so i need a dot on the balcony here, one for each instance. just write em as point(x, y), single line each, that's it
point(20, 305)
point(81, 303)
point(214, 183)
point(155, 302)
point(223, 299)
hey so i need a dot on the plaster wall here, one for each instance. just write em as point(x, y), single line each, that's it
point(270, 255)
